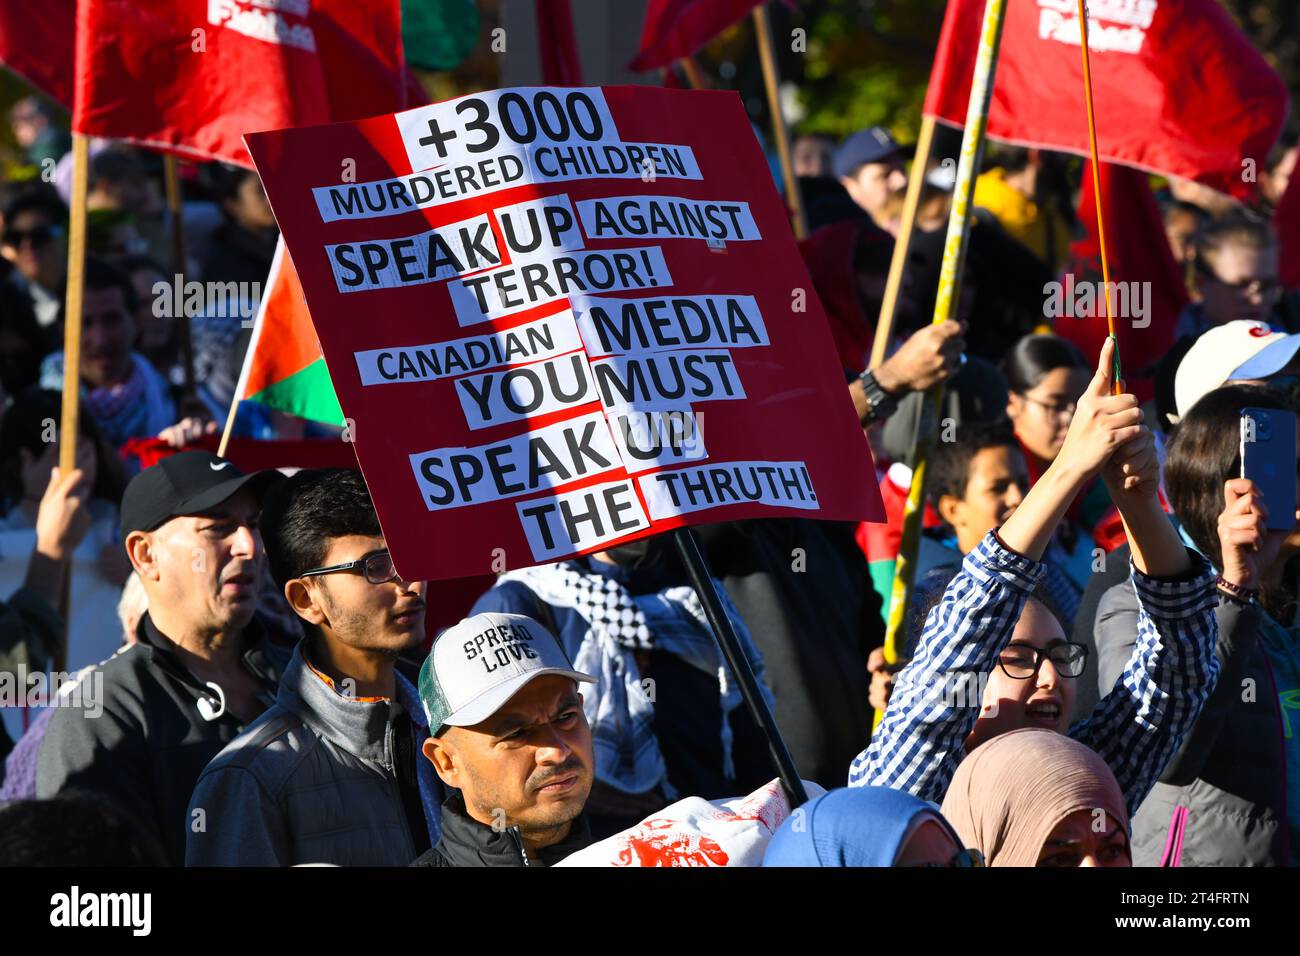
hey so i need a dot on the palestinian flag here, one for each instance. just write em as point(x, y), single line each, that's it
point(284, 367)
point(879, 540)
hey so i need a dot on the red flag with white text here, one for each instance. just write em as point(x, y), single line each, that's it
point(1179, 89)
point(193, 76)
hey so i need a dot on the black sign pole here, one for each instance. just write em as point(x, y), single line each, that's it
point(688, 549)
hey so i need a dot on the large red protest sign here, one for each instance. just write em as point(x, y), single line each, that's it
point(560, 319)
point(193, 76)
point(1179, 89)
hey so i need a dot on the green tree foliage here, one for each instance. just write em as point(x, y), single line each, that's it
point(867, 62)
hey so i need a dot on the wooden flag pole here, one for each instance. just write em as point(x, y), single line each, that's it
point(694, 75)
point(172, 179)
point(772, 83)
point(229, 427)
point(903, 243)
point(1117, 384)
point(72, 347)
point(945, 304)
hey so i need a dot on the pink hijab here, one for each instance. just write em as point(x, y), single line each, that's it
point(1011, 792)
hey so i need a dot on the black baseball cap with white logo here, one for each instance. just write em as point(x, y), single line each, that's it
point(478, 665)
point(187, 483)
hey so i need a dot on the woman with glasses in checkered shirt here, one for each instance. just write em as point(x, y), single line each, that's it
point(992, 659)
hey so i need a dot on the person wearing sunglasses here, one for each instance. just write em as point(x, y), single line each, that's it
point(868, 826)
point(34, 240)
point(992, 658)
point(332, 773)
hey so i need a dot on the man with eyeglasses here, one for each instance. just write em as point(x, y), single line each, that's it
point(332, 773)
point(202, 667)
point(34, 240)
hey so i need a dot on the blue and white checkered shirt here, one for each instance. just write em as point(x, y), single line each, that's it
point(1136, 728)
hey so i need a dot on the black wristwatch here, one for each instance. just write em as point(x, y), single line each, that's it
point(880, 404)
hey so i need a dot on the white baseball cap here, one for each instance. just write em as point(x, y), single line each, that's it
point(1238, 350)
point(476, 666)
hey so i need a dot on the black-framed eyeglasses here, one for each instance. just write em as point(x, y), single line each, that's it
point(1021, 661)
point(1052, 408)
point(377, 566)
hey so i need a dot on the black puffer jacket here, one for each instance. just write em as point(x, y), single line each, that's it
point(466, 842)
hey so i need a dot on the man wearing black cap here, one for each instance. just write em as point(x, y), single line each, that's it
point(869, 164)
point(199, 670)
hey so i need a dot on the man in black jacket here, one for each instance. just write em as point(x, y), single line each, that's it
point(510, 736)
point(199, 671)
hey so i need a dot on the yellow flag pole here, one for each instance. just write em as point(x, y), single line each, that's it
point(1117, 384)
point(772, 84)
point(945, 306)
point(72, 345)
point(897, 265)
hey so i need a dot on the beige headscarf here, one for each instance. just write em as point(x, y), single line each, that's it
point(1011, 792)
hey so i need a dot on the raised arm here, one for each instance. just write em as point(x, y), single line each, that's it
point(936, 699)
point(1140, 724)
point(1187, 730)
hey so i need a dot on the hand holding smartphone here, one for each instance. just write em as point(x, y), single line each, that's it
point(1268, 458)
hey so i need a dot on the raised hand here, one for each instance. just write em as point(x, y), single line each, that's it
point(64, 515)
point(1102, 423)
point(931, 355)
point(1133, 471)
point(1248, 546)
point(882, 679)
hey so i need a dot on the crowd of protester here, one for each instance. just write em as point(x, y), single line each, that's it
point(1098, 666)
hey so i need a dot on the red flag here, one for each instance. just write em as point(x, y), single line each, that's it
point(561, 64)
point(36, 43)
point(677, 28)
point(1286, 220)
point(1150, 293)
point(193, 76)
point(1179, 90)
